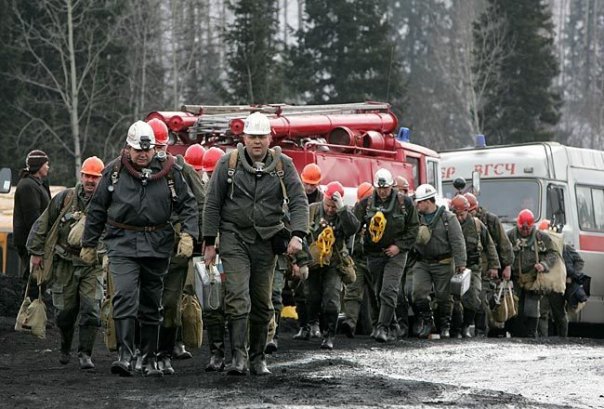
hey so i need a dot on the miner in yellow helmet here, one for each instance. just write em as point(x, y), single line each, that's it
point(392, 225)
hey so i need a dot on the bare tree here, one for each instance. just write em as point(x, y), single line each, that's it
point(66, 31)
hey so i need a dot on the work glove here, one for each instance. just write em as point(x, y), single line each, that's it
point(301, 273)
point(294, 246)
point(88, 255)
point(185, 245)
point(338, 200)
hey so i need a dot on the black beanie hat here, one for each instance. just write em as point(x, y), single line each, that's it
point(34, 161)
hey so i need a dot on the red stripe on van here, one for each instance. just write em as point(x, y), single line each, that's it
point(590, 242)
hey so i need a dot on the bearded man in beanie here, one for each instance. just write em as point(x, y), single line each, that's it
point(32, 195)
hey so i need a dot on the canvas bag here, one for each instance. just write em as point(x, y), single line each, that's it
point(504, 304)
point(74, 239)
point(110, 337)
point(553, 280)
point(32, 315)
point(192, 322)
point(346, 268)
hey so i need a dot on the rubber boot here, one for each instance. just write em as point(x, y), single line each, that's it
point(124, 330)
point(444, 316)
point(66, 339)
point(530, 325)
point(149, 342)
point(384, 319)
point(216, 342)
point(352, 315)
point(543, 327)
point(258, 334)
point(315, 330)
point(179, 351)
point(480, 324)
point(456, 325)
point(238, 334)
point(426, 317)
point(167, 341)
point(273, 344)
point(331, 323)
point(303, 334)
point(562, 327)
point(468, 320)
point(87, 337)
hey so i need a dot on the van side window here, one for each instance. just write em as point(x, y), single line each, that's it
point(598, 196)
point(414, 162)
point(585, 208)
point(555, 210)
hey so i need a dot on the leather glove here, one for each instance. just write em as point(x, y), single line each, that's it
point(88, 255)
point(185, 245)
point(338, 200)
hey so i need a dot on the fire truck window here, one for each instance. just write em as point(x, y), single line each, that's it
point(414, 162)
point(585, 208)
point(431, 170)
point(598, 196)
point(555, 205)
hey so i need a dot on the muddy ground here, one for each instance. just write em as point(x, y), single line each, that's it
point(477, 373)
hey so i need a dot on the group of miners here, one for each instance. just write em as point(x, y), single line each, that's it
point(141, 217)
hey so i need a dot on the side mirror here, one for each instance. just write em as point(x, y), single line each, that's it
point(476, 183)
point(5, 180)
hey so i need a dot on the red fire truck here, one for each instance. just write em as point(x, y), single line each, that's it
point(349, 142)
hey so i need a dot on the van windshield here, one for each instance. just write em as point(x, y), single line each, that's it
point(505, 197)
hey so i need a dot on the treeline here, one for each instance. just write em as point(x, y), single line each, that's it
point(76, 73)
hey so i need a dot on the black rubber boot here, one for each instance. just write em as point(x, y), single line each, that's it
point(167, 341)
point(426, 318)
point(149, 342)
point(238, 334)
point(481, 328)
point(352, 309)
point(468, 320)
point(124, 330)
point(385, 318)
point(530, 325)
point(258, 335)
point(216, 342)
point(87, 337)
point(66, 339)
point(273, 344)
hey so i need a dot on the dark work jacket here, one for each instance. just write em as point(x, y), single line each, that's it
point(401, 228)
point(251, 206)
point(499, 236)
point(133, 204)
point(31, 198)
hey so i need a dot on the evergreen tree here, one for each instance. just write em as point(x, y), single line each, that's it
point(346, 52)
point(252, 56)
point(520, 103)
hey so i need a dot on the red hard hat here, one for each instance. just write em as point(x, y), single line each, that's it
point(211, 158)
point(364, 190)
point(194, 156)
point(92, 166)
point(160, 130)
point(472, 201)
point(459, 204)
point(525, 218)
point(311, 174)
point(544, 224)
point(333, 187)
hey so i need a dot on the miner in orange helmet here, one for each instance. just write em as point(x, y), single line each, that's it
point(535, 253)
point(332, 223)
point(309, 326)
point(79, 283)
point(392, 226)
point(170, 344)
point(353, 296)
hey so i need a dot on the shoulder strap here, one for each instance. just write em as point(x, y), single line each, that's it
point(68, 200)
point(280, 174)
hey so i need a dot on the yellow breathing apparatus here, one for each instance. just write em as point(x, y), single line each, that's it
point(325, 242)
point(377, 226)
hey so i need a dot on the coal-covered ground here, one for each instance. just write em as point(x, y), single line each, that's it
point(358, 373)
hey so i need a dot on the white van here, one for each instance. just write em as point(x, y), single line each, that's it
point(557, 182)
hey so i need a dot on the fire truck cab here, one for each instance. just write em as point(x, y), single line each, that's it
point(349, 142)
point(556, 182)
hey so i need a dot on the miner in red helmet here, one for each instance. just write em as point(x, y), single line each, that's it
point(332, 223)
point(534, 253)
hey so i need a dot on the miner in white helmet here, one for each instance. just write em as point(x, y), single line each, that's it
point(245, 203)
point(133, 203)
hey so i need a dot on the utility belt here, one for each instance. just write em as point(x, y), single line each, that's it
point(146, 229)
point(67, 250)
point(444, 259)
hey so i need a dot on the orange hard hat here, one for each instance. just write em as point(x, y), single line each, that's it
point(459, 203)
point(160, 130)
point(211, 158)
point(92, 166)
point(194, 156)
point(333, 187)
point(364, 190)
point(311, 174)
point(471, 200)
point(544, 224)
point(525, 218)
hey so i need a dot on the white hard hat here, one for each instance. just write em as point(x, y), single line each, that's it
point(257, 124)
point(383, 178)
point(140, 136)
point(424, 192)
